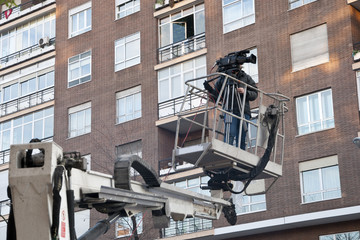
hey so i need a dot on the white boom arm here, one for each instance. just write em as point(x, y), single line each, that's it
point(37, 180)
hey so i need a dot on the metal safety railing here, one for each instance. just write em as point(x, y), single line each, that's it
point(215, 122)
point(27, 101)
point(24, 52)
point(179, 49)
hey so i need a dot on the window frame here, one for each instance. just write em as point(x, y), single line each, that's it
point(85, 56)
point(302, 3)
point(320, 106)
point(125, 95)
point(239, 19)
point(85, 8)
point(83, 108)
point(119, 3)
point(317, 166)
point(124, 44)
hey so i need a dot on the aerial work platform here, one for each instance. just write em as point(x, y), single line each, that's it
point(223, 161)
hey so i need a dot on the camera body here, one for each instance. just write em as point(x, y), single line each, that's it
point(234, 59)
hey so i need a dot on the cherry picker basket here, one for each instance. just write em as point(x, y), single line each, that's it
point(223, 161)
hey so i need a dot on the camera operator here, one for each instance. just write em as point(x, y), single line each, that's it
point(235, 104)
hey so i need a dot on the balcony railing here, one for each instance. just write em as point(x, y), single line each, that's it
point(19, 7)
point(163, 3)
point(24, 52)
point(189, 225)
point(5, 154)
point(179, 49)
point(171, 107)
point(4, 207)
point(27, 101)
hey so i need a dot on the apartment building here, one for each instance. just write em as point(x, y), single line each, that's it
point(119, 71)
point(27, 67)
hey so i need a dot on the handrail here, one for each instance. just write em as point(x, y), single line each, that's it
point(27, 101)
point(24, 51)
point(181, 48)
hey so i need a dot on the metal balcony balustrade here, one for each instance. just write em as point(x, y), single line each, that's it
point(4, 207)
point(171, 107)
point(24, 52)
point(19, 8)
point(5, 154)
point(179, 49)
point(189, 225)
point(159, 4)
point(27, 101)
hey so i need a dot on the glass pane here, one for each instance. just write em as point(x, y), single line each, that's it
point(38, 129)
point(81, 20)
point(32, 85)
point(311, 181)
point(302, 110)
point(85, 67)
point(176, 87)
point(5, 141)
point(42, 81)
point(199, 22)
point(165, 35)
point(74, 23)
point(132, 49)
point(120, 53)
point(164, 91)
point(17, 135)
point(248, 7)
point(232, 12)
point(331, 177)
point(88, 18)
point(314, 107)
point(327, 105)
point(27, 132)
point(179, 31)
point(24, 88)
point(49, 127)
point(50, 79)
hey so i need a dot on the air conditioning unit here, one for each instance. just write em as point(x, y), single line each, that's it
point(45, 41)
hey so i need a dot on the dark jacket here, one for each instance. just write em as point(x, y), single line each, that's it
point(251, 94)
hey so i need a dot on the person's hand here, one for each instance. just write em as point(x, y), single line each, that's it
point(207, 86)
point(241, 90)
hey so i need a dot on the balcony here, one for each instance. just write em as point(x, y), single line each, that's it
point(190, 225)
point(165, 168)
point(169, 109)
point(27, 101)
point(27, 53)
point(354, 3)
point(356, 56)
point(179, 49)
point(23, 9)
point(159, 4)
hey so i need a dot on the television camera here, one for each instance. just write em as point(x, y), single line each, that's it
point(234, 59)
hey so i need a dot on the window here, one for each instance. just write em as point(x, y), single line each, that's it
point(237, 14)
point(27, 35)
point(127, 51)
point(80, 20)
point(189, 225)
point(248, 204)
point(125, 225)
point(11, 92)
point(315, 112)
point(125, 7)
point(80, 120)
point(297, 3)
point(79, 69)
point(133, 148)
point(309, 48)
point(128, 105)
point(320, 179)
point(342, 236)
point(182, 25)
point(172, 79)
point(38, 124)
